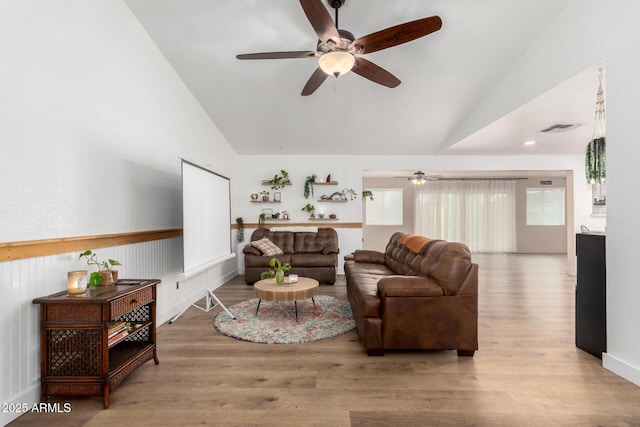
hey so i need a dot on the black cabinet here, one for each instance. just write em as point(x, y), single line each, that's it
point(591, 294)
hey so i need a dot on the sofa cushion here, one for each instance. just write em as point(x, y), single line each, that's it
point(314, 242)
point(409, 286)
point(331, 249)
point(267, 247)
point(363, 255)
point(263, 261)
point(250, 250)
point(313, 260)
point(450, 265)
point(364, 278)
point(282, 239)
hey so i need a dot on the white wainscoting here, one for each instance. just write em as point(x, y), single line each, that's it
point(23, 280)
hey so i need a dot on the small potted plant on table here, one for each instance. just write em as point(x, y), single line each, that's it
point(277, 272)
point(105, 274)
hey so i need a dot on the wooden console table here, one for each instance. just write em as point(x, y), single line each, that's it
point(76, 357)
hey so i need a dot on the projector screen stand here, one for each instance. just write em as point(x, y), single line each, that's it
point(209, 295)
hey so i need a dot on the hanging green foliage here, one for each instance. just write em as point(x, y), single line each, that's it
point(595, 161)
point(240, 234)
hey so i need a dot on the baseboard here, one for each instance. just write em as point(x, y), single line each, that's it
point(19, 405)
point(621, 368)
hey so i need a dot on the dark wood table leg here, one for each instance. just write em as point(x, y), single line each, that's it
point(258, 308)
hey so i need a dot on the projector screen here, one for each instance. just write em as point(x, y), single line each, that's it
point(206, 212)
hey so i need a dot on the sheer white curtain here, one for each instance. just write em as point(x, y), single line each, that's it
point(480, 214)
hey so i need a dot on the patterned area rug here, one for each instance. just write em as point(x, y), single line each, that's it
point(276, 321)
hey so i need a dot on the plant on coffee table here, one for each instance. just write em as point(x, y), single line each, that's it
point(277, 272)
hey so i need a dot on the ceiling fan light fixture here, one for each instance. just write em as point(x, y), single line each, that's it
point(418, 180)
point(337, 62)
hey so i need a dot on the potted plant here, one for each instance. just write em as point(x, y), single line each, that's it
point(277, 270)
point(310, 209)
point(105, 274)
point(240, 233)
point(261, 218)
point(308, 185)
point(367, 194)
point(265, 195)
point(279, 181)
point(595, 161)
point(351, 193)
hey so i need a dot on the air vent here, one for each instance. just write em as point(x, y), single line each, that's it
point(561, 127)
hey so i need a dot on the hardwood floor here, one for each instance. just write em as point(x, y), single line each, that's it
point(526, 372)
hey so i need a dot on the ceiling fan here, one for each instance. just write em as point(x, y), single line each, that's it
point(420, 177)
point(338, 51)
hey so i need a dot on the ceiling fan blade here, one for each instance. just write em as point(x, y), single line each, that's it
point(320, 20)
point(398, 34)
point(277, 55)
point(314, 82)
point(373, 72)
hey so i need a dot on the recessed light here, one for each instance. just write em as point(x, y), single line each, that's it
point(529, 142)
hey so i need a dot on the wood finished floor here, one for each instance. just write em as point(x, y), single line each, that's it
point(527, 371)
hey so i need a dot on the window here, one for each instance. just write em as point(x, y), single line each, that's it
point(546, 206)
point(385, 208)
point(478, 213)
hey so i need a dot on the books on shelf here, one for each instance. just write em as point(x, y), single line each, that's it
point(117, 327)
point(117, 337)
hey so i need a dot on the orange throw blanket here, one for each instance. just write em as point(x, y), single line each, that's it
point(412, 242)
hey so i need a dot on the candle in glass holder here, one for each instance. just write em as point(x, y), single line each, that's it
point(77, 282)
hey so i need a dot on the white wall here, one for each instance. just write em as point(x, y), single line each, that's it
point(623, 205)
point(93, 124)
point(342, 169)
point(589, 32)
point(348, 171)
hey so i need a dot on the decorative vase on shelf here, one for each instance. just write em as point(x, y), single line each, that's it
point(280, 277)
point(254, 196)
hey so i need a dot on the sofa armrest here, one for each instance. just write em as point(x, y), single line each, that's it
point(250, 250)
point(408, 286)
point(375, 257)
point(330, 249)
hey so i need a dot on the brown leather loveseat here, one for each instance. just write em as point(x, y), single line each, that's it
point(418, 294)
point(311, 254)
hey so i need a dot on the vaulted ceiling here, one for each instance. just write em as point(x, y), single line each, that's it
point(445, 75)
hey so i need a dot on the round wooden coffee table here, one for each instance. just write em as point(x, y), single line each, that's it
point(269, 290)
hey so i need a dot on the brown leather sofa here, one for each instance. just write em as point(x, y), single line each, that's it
point(418, 294)
point(310, 254)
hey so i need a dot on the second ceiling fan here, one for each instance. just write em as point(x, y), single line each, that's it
point(338, 51)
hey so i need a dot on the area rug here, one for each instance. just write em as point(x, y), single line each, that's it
point(276, 321)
